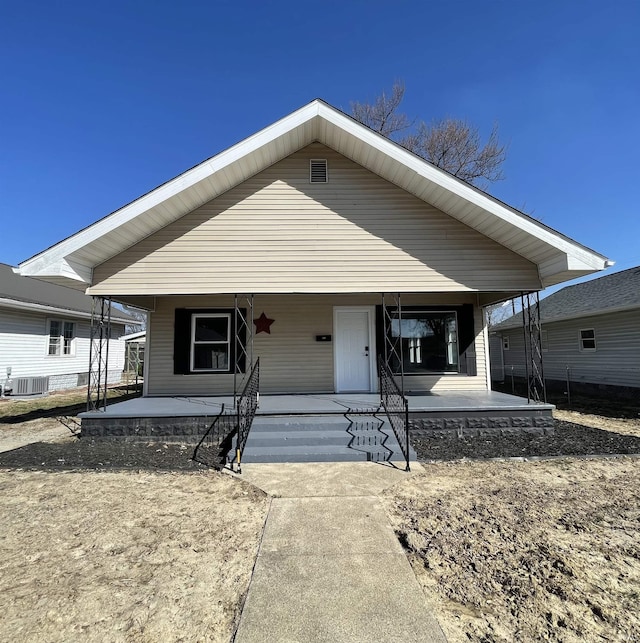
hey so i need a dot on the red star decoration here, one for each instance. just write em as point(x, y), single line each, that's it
point(263, 324)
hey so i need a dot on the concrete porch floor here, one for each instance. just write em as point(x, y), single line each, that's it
point(320, 404)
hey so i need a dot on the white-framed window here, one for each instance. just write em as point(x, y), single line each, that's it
point(544, 340)
point(505, 343)
point(210, 342)
point(62, 337)
point(587, 339)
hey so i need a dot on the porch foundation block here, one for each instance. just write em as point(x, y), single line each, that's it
point(479, 423)
point(183, 429)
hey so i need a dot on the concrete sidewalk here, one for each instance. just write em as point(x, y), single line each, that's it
point(330, 568)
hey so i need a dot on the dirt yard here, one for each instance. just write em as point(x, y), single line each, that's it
point(526, 551)
point(622, 426)
point(140, 543)
point(125, 556)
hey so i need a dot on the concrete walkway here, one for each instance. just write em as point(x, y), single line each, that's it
point(330, 568)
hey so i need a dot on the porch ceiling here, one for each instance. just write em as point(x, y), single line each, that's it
point(71, 261)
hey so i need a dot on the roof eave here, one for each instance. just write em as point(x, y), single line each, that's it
point(71, 261)
point(46, 309)
point(581, 315)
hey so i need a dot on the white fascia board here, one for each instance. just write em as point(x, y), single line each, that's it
point(133, 336)
point(54, 310)
point(50, 262)
point(39, 267)
point(453, 185)
point(569, 267)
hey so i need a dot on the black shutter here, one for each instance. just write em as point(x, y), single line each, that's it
point(466, 331)
point(182, 342)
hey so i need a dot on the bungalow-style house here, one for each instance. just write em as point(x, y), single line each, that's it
point(590, 337)
point(45, 336)
point(315, 244)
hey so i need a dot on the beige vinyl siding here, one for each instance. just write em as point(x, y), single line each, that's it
point(291, 361)
point(615, 362)
point(277, 232)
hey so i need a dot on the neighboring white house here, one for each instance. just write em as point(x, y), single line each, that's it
point(590, 336)
point(45, 336)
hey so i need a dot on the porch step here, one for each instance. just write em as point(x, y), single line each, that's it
point(304, 422)
point(317, 436)
point(321, 439)
point(328, 453)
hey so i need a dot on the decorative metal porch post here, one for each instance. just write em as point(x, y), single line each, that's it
point(243, 322)
point(532, 335)
point(393, 345)
point(99, 354)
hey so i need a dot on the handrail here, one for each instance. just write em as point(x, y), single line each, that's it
point(396, 407)
point(246, 410)
point(219, 432)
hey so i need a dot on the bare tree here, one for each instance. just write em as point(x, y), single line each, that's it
point(452, 144)
point(383, 116)
point(455, 145)
point(141, 319)
point(497, 313)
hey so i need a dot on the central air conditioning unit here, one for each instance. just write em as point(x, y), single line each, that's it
point(29, 385)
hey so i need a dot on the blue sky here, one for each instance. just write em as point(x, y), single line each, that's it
point(102, 102)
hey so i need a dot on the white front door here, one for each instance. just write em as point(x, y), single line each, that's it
point(353, 349)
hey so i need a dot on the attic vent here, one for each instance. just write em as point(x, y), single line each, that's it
point(318, 171)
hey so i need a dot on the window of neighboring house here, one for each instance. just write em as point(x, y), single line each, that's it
point(505, 343)
point(210, 342)
point(429, 342)
point(587, 339)
point(61, 337)
point(544, 340)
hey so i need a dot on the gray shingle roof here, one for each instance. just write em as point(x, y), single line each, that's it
point(611, 292)
point(34, 291)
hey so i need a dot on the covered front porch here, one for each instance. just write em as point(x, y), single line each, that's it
point(397, 363)
point(316, 427)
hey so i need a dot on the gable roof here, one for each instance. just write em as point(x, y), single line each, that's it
point(72, 260)
point(23, 293)
point(611, 293)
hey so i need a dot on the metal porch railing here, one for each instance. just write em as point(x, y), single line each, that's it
point(246, 406)
point(217, 441)
point(396, 407)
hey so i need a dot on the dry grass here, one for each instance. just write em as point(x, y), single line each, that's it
point(125, 556)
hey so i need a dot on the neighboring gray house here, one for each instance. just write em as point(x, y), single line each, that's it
point(590, 334)
point(45, 336)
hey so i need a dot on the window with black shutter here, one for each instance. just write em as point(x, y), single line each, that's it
point(205, 341)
